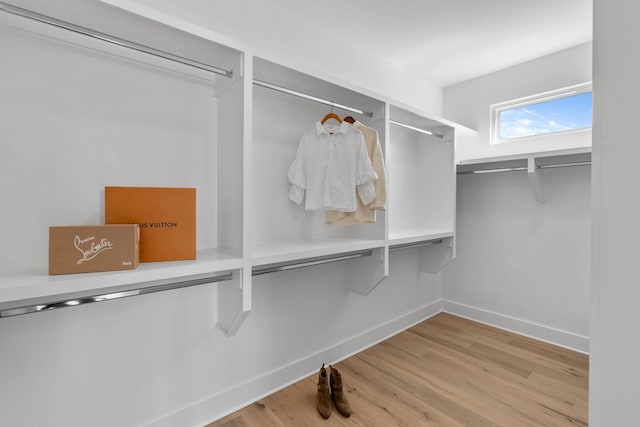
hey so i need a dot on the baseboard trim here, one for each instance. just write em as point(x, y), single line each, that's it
point(228, 401)
point(533, 330)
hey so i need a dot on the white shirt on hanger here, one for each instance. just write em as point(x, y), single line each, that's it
point(331, 162)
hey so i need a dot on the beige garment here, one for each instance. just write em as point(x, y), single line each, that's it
point(366, 214)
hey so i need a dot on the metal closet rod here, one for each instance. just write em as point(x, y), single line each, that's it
point(401, 246)
point(311, 98)
point(308, 262)
point(524, 168)
point(427, 132)
point(34, 16)
point(73, 302)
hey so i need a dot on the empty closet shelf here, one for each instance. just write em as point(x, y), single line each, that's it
point(402, 246)
point(285, 252)
point(403, 237)
point(308, 262)
point(524, 168)
point(526, 162)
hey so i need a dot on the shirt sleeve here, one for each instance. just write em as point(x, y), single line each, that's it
point(365, 176)
point(297, 176)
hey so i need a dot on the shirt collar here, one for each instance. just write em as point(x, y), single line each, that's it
point(344, 127)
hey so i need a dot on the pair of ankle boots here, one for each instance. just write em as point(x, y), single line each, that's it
point(330, 389)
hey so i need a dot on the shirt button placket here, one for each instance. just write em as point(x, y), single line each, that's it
point(327, 183)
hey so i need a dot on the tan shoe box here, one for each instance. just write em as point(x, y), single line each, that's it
point(90, 248)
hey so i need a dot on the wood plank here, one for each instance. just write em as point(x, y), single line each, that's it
point(446, 371)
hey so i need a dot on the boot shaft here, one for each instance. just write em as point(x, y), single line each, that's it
point(335, 379)
point(337, 393)
point(323, 402)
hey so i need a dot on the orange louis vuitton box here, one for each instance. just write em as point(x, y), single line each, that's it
point(166, 216)
point(89, 248)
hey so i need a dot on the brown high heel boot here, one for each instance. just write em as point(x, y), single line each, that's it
point(337, 393)
point(324, 399)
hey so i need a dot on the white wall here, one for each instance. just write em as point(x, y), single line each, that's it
point(615, 343)
point(276, 33)
point(521, 264)
point(468, 103)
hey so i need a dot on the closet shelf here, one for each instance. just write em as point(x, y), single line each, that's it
point(308, 262)
point(55, 302)
point(414, 245)
point(531, 163)
point(22, 283)
point(552, 155)
point(293, 251)
point(434, 253)
point(404, 237)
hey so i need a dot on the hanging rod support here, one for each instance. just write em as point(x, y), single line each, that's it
point(312, 98)
point(414, 245)
point(524, 168)
point(34, 16)
point(426, 132)
point(564, 165)
point(308, 262)
point(72, 302)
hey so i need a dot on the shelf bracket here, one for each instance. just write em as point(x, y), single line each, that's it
point(434, 257)
point(234, 302)
point(365, 274)
point(535, 180)
point(434, 254)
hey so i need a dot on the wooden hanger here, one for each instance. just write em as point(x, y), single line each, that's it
point(349, 119)
point(331, 115)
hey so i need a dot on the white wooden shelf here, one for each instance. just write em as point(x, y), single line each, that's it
point(436, 248)
point(532, 163)
point(33, 282)
point(293, 251)
point(524, 156)
point(403, 237)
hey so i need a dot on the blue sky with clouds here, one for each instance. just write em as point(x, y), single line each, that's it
point(558, 115)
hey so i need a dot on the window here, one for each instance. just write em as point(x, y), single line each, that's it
point(564, 110)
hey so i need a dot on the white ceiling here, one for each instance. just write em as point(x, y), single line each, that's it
point(450, 41)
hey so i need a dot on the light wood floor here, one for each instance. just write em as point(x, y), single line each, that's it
point(446, 371)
